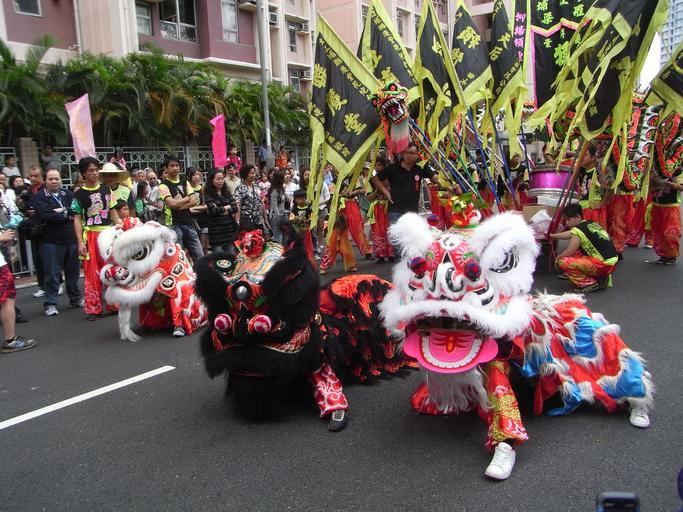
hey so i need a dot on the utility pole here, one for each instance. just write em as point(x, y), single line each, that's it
point(265, 79)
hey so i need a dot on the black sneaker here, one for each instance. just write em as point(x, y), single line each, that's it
point(20, 318)
point(337, 420)
point(17, 344)
point(93, 317)
point(369, 257)
point(392, 259)
point(620, 257)
point(588, 289)
point(379, 260)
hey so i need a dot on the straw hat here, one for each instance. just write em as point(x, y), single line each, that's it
point(110, 168)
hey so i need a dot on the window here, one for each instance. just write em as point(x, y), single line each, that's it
point(27, 7)
point(292, 37)
point(144, 17)
point(291, 2)
point(399, 22)
point(417, 25)
point(295, 82)
point(229, 13)
point(177, 20)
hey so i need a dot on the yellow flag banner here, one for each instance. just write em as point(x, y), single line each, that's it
point(440, 89)
point(383, 52)
point(668, 84)
point(604, 59)
point(470, 57)
point(344, 123)
point(507, 54)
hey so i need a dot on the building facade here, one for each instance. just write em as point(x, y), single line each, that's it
point(220, 32)
point(347, 18)
point(672, 31)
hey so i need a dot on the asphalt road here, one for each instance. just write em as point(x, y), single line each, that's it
point(171, 443)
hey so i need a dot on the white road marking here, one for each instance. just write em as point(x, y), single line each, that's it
point(84, 396)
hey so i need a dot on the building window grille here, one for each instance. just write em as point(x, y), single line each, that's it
point(144, 19)
point(230, 25)
point(178, 20)
point(31, 7)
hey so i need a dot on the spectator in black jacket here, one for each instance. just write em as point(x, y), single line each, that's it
point(221, 207)
point(58, 245)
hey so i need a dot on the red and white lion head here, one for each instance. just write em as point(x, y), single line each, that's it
point(457, 291)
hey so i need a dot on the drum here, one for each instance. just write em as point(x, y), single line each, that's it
point(548, 180)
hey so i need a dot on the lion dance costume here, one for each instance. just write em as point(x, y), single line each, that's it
point(147, 268)
point(461, 296)
point(271, 325)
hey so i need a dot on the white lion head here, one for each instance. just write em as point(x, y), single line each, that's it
point(455, 291)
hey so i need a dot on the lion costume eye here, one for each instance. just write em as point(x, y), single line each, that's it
point(509, 262)
point(142, 252)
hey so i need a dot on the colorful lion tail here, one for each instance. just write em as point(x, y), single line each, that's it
point(356, 343)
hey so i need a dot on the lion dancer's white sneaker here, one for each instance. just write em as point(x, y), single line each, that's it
point(640, 416)
point(502, 463)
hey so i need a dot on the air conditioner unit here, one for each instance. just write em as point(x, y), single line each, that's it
point(306, 74)
point(303, 27)
point(273, 18)
point(247, 5)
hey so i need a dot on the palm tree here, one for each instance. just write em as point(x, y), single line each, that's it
point(27, 105)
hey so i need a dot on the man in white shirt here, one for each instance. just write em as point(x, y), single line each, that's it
point(11, 168)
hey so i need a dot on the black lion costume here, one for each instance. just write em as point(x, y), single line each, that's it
point(270, 324)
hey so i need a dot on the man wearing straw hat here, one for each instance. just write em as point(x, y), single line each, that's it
point(115, 178)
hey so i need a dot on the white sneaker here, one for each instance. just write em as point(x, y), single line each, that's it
point(178, 332)
point(61, 289)
point(502, 463)
point(39, 294)
point(639, 417)
point(51, 311)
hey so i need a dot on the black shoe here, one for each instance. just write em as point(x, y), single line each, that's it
point(603, 283)
point(587, 289)
point(391, 259)
point(337, 420)
point(620, 257)
point(20, 318)
point(369, 257)
point(379, 260)
point(94, 317)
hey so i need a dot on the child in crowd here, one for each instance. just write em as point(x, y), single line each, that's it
point(122, 209)
point(300, 217)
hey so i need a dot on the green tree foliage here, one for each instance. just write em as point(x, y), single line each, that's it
point(141, 99)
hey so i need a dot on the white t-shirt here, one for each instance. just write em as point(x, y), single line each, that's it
point(11, 171)
point(324, 196)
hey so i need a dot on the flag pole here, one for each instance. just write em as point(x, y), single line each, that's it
point(424, 139)
point(506, 168)
point(483, 157)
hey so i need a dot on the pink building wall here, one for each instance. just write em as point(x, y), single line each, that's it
point(209, 35)
point(56, 19)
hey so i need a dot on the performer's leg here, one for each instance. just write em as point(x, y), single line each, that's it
point(91, 268)
point(637, 224)
point(581, 270)
point(505, 428)
point(330, 255)
point(619, 215)
point(346, 250)
point(668, 231)
point(357, 227)
point(329, 396)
